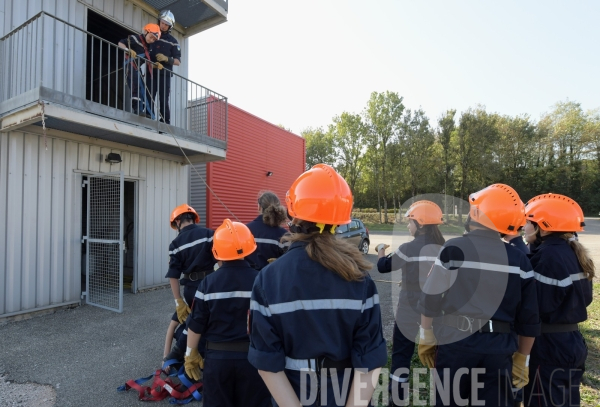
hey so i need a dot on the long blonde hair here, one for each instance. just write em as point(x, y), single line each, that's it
point(334, 254)
point(583, 255)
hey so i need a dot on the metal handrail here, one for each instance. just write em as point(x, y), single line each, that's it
point(184, 93)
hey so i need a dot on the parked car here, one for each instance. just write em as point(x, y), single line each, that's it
point(357, 233)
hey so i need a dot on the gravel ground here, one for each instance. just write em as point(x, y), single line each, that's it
point(27, 394)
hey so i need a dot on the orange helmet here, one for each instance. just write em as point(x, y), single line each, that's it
point(497, 207)
point(555, 213)
point(153, 29)
point(232, 241)
point(425, 213)
point(320, 195)
point(180, 210)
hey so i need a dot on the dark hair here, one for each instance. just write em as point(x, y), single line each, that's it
point(430, 231)
point(334, 254)
point(273, 213)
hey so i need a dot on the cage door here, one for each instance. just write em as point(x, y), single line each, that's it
point(104, 271)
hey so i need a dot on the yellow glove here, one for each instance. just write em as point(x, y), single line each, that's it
point(193, 363)
point(158, 66)
point(182, 310)
point(381, 246)
point(271, 260)
point(520, 370)
point(162, 58)
point(132, 53)
point(427, 347)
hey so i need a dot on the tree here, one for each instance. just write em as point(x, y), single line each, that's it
point(447, 128)
point(348, 132)
point(319, 147)
point(384, 118)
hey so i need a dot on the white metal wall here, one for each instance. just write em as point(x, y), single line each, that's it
point(40, 216)
point(198, 191)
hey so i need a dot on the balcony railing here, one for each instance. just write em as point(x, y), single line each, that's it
point(91, 74)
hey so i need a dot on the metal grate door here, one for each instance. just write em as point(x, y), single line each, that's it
point(104, 271)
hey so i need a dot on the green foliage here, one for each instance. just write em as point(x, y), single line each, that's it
point(390, 154)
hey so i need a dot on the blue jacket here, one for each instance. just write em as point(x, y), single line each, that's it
point(563, 294)
point(191, 251)
point(221, 306)
point(168, 46)
point(267, 242)
point(301, 310)
point(480, 276)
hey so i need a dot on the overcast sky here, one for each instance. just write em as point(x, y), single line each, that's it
point(299, 63)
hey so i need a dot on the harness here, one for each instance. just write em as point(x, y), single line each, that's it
point(180, 393)
point(142, 89)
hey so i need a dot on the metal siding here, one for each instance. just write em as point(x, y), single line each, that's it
point(45, 222)
point(30, 203)
point(14, 223)
point(57, 262)
point(198, 191)
point(125, 163)
point(143, 224)
point(163, 202)
point(71, 276)
point(254, 147)
point(3, 215)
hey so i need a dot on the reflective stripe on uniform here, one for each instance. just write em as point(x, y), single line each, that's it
point(314, 305)
point(565, 282)
point(503, 268)
point(409, 259)
point(300, 364)
point(271, 241)
point(220, 296)
point(188, 245)
point(398, 379)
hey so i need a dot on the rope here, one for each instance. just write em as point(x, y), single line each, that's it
point(388, 281)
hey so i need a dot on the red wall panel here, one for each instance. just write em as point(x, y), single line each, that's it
point(254, 147)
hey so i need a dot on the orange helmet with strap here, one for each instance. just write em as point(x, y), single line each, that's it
point(232, 241)
point(180, 210)
point(425, 213)
point(153, 29)
point(497, 207)
point(320, 195)
point(555, 213)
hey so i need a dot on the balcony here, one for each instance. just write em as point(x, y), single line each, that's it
point(56, 75)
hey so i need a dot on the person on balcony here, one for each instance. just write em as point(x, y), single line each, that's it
point(138, 46)
point(167, 52)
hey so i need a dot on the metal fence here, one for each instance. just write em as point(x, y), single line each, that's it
point(50, 52)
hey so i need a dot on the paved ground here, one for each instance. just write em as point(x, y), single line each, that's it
point(78, 357)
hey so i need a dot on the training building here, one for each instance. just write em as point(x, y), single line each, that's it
point(86, 186)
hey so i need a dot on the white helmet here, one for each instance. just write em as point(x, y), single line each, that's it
point(168, 18)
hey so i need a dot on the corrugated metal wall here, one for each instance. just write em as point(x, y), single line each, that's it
point(40, 216)
point(254, 147)
point(198, 191)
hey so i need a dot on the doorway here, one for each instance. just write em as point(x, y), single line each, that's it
point(105, 76)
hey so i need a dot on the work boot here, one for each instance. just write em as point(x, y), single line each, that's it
point(135, 105)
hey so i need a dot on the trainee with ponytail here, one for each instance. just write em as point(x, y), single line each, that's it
point(564, 272)
point(316, 307)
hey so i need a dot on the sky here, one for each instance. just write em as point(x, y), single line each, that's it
point(300, 63)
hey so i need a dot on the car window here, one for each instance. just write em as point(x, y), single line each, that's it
point(342, 229)
point(354, 225)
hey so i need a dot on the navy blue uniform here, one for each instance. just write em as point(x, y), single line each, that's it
point(557, 359)
point(267, 239)
point(220, 315)
point(139, 88)
point(492, 287)
point(304, 316)
point(190, 253)
point(161, 83)
point(415, 258)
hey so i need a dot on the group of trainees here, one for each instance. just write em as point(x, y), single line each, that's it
point(293, 318)
point(495, 315)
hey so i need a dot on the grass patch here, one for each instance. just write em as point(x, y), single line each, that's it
point(590, 329)
point(450, 229)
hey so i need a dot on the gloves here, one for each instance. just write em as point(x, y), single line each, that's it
point(193, 363)
point(520, 370)
point(182, 310)
point(271, 260)
point(427, 347)
point(381, 246)
point(158, 66)
point(162, 58)
point(132, 54)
